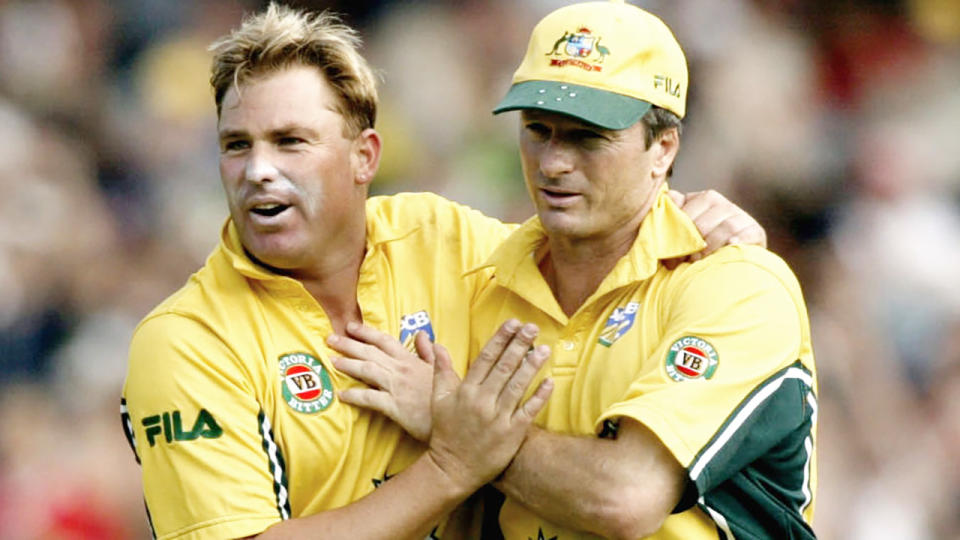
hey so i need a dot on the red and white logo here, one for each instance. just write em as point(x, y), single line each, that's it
point(691, 357)
point(305, 384)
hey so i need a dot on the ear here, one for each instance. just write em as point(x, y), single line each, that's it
point(366, 154)
point(665, 150)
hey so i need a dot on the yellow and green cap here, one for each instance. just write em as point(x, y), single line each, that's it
point(604, 63)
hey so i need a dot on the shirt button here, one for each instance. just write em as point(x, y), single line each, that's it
point(567, 345)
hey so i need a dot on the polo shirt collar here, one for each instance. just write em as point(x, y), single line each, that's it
point(666, 232)
point(379, 232)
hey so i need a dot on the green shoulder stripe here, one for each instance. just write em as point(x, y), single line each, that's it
point(753, 476)
point(782, 400)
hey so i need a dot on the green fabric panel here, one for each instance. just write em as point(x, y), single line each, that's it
point(756, 478)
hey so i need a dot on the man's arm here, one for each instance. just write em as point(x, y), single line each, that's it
point(719, 221)
point(617, 488)
point(478, 425)
point(620, 488)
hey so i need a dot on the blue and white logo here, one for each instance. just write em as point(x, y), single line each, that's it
point(413, 323)
point(619, 322)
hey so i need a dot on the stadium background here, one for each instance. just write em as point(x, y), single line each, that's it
point(835, 122)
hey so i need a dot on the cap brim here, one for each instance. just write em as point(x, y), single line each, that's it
point(599, 107)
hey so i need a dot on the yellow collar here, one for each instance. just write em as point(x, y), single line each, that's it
point(666, 232)
point(380, 230)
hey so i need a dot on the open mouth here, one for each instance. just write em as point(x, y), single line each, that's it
point(269, 210)
point(558, 195)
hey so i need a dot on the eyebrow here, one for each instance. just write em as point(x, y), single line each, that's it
point(273, 133)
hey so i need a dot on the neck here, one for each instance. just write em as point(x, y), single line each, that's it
point(332, 277)
point(575, 268)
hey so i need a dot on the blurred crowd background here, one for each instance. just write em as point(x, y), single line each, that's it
point(834, 122)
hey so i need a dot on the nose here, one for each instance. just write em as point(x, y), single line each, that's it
point(260, 167)
point(556, 159)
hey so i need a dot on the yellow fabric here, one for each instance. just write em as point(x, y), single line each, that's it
point(610, 46)
point(221, 345)
point(743, 301)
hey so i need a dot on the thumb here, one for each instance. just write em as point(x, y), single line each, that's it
point(445, 379)
point(424, 347)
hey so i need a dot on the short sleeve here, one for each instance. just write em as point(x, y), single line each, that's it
point(728, 359)
point(199, 433)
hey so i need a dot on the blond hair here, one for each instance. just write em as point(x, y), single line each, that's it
point(280, 37)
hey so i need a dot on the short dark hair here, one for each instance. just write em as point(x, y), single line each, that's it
point(656, 121)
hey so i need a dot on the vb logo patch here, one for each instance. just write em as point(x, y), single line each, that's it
point(413, 323)
point(619, 322)
point(690, 358)
point(305, 383)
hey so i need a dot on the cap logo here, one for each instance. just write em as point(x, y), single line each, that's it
point(305, 383)
point(690, 358)
point(581, 49)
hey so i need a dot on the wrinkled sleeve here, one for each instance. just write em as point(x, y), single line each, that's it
point(725, 383)
point(198, 431)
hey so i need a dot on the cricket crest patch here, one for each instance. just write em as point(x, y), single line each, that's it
point(305, 383)
point(413, 323)
point(580, 48)
point(690, 358)
point(619, 322)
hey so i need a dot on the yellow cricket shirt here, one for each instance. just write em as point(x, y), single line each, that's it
point(230, 400)
point(714, 357)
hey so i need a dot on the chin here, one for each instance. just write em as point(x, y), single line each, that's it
point(275, 252)
point(562, 225)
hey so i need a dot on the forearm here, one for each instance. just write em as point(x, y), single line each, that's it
point(551, 476)
point(615, 488)
point(409, 505)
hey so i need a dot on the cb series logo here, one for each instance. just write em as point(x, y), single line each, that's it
point(413, 323)
point(619, 322)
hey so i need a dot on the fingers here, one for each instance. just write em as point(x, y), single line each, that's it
point(530, 408)
point(697, 202)
point(368, 334)
point(491, 352)
point(752, 233)
point(348, 346)
point(738, 228)
point(715, 220)
point(516, 387)
point(445, 379)
point(511, 359)
point(424, 347)
point(368, 399)
point(721, 222)
point(362, 370)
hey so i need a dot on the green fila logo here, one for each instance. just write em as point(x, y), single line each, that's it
point(170, 424)
point(691, 357)
point(305, 383)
